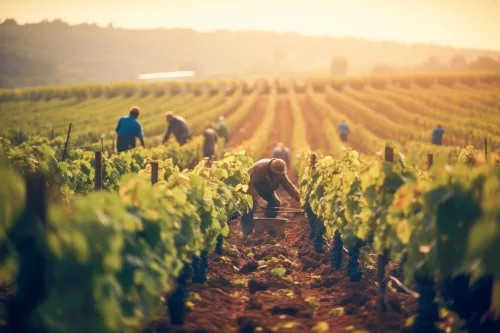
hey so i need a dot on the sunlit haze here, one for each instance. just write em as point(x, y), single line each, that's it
point(462, 23)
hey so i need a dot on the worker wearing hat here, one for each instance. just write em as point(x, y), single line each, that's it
point(266, 176)
point(282, 152)
point(209, 141)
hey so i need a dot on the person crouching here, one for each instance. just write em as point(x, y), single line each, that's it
point(266, 176)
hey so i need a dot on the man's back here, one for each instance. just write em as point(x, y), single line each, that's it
point(343, 127)
point(221, 128)
point(182, 124)
point(128, 127)
point(437, 135)
point(210, 137)
point(265, 183)
point(179, 128)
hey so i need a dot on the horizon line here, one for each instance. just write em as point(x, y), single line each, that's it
point(283, 32)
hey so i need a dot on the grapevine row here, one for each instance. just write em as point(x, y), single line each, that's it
point(435, 222)
point(106, 258)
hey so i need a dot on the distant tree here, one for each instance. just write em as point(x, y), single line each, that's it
point(338, 66)
point(9, 22)
point(433, 64)
point(59, 22)
point(458, 63)
point(484, 64)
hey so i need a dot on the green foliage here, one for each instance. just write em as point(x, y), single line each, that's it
point(77, 173)
point(109, 256)
point(443, 223)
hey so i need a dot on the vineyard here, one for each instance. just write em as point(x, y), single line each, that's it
point(392, 232)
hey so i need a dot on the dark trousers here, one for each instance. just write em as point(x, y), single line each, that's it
point(273, 203)
point(343, 137)
point(124, 144)
point(208, 152)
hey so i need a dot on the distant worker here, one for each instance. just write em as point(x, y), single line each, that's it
point(178, 126)
point(343, 130)
point(210, 137)
point(266, 176)
point(437, 135)
point(222, 130)
point(282, 152)
point(128, 128)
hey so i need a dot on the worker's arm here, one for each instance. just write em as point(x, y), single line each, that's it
point(140, 134)
point(290, 188)
point(167, 134)
point(118, 126)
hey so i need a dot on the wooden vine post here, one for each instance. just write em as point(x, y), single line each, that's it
point(66, 143)
point(430, 161)
point(36, 197)
point(312, 161)
point(485, 149)
point(383, 259)
point(154, 172)
point(98, 170)
point(32, 276)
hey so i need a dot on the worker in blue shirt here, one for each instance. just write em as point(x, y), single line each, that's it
point(437, 135)
point(344, 130)
point(128, 129)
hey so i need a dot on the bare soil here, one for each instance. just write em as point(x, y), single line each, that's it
point(246, 293)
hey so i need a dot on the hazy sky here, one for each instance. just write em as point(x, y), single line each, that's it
point(464, 23)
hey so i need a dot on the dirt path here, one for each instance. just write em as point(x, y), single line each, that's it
point(316, 137)
point(247, 293)
point(251, 123)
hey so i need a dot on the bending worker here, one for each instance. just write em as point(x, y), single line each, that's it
point(222, 130)
point(178, 126)
point(128, 128)
point(344, 131)
point(282, 152)
point(265, 177)
point(210, 140)
point(437, 136)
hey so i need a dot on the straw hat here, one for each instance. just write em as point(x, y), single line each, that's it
point(278, 166)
